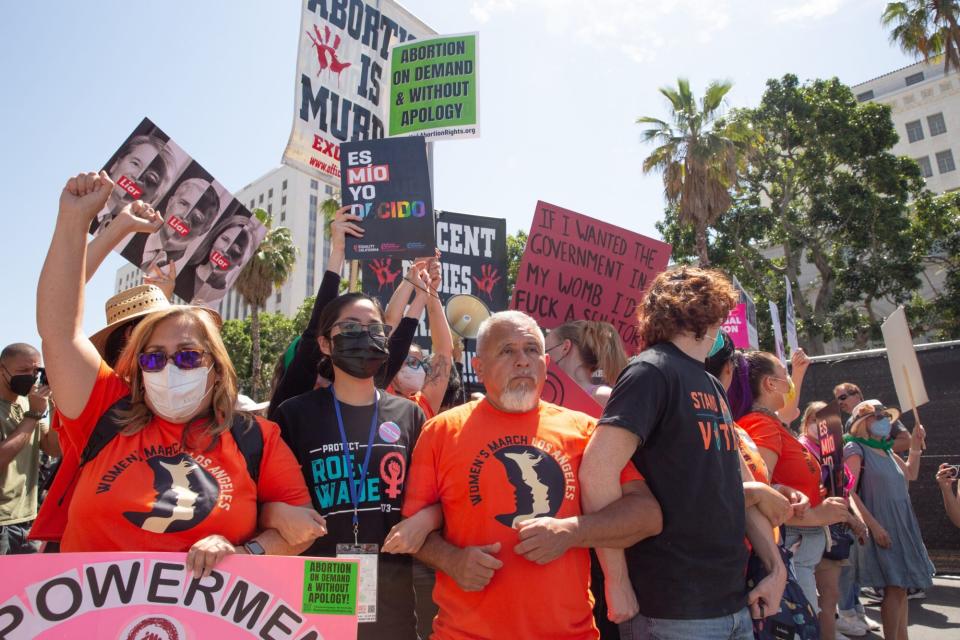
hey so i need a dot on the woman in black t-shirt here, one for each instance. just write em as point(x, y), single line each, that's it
point(354, 442)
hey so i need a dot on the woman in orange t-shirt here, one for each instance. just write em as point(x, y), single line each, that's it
point(789, 463)
point(173, 478)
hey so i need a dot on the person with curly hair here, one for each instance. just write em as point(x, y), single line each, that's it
point(671, 418)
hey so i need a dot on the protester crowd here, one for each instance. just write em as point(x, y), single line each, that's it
point(690, 509)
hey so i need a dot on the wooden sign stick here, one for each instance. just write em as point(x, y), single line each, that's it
point(913, 403)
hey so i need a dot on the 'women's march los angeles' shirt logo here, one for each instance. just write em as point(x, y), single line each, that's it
point(540, 474)
point(186, 494)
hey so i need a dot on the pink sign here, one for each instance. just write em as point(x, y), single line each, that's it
point(563, 390)
point(737, 328)
point(151, 596)
point(579, 268)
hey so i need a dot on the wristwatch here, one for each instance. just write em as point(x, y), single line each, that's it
point(36, 415)
point(254, 548)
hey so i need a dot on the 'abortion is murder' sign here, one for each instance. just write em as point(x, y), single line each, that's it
point(341, 83)
point(433, 88)
point(137, 596)
point(579, 268)
point(387, 182)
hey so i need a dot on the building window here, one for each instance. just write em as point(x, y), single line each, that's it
point(278, 296)
point(945, 161)
point(269, 193)
point(914, 131)
point(283, 215)
point(924, 163)
point(936, 124)
point(914, 78)
point(261, 198)
point(314, 184)
point(866, 95)
point(236, 307)
point(328, 190)
point(283, 200)
point(284, 185)
point(253, 203)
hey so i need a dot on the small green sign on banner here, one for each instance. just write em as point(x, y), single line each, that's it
point(330, 587)
point(433, 88)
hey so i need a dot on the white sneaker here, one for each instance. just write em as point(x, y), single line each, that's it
point(850, 624)
point(870, 624)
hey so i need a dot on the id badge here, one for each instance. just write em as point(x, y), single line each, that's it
point(367, 556)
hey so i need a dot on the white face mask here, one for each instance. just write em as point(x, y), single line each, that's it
point(174, 393)
point(411, 380)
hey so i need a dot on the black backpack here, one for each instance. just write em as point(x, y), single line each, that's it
point(245, 430)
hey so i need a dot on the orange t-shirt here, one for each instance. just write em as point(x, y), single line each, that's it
point(491, 470)
point(751, 455)
point(421, 401)
point(144, 492)
point(796, 467)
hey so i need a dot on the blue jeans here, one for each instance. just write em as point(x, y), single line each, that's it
point(849, 589)
point(737, 626)
point(809, 551)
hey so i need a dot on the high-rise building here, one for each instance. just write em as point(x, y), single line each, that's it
point(293, 199)
point(925, 107)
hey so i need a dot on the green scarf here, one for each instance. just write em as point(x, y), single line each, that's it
point(885, 445)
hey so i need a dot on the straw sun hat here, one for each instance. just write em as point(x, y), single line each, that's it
point(134, 303)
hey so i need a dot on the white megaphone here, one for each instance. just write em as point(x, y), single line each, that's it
point(465, 314)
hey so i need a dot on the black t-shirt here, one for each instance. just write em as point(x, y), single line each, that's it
point(688, 455)
point(308, 424)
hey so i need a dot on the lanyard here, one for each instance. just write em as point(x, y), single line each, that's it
point(366, 458)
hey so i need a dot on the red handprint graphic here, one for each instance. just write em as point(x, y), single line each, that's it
point(385, 275)
point(325, 49)
point(488, 278)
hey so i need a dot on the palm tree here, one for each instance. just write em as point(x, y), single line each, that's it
point(698, 156)
point(926, 28)
point(269, 268)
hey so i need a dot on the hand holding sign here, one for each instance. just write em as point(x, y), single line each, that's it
point(344, 224)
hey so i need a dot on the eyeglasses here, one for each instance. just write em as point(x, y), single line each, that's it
point(153, 361)
point(355, 329)
point(415, 363)
point(844, 396)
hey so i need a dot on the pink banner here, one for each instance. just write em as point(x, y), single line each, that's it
point(151, 596)
point(737, 328)
point(563, 390)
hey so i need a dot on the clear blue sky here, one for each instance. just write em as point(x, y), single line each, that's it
point(561, 84)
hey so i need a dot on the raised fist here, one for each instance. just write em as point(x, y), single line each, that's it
point(84, 196)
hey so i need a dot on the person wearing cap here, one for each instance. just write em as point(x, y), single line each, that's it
point(894, 557)
point(176, 425)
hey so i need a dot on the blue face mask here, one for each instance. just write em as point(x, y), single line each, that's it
point(881, 428)
point(717, 344)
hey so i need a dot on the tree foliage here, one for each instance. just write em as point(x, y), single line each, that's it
point(937, 230)
point(276, 333)
point(516, 245)
point(698, 156)
point(926, 28)
point(821, 191)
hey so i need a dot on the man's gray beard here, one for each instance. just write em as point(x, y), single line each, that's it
point(519, 400)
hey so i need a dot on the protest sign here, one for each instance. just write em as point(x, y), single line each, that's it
point(207, 235)
point(387, 184)
point(473, 259)
point(791, 314)
point(561, 389)
point(830, 430)
point(433, 88)
point(578, 268)
point(340, 91)
point(741, 324)
point(777, 332)
point(904, 367)
point(152, 596)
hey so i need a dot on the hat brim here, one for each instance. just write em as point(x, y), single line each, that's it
point(99, 339)
point(893, 414)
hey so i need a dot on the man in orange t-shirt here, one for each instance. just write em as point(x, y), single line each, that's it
point(504, 469)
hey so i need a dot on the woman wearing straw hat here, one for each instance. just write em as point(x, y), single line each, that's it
point(178, 420)
point(894, 556)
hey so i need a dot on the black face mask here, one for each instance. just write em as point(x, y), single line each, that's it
point(21, 384)
point(360, 357)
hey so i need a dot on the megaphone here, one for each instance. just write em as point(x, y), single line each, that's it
point(465, 314)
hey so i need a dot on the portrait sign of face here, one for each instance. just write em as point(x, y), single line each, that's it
point(229, 248)
point(189, 213)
